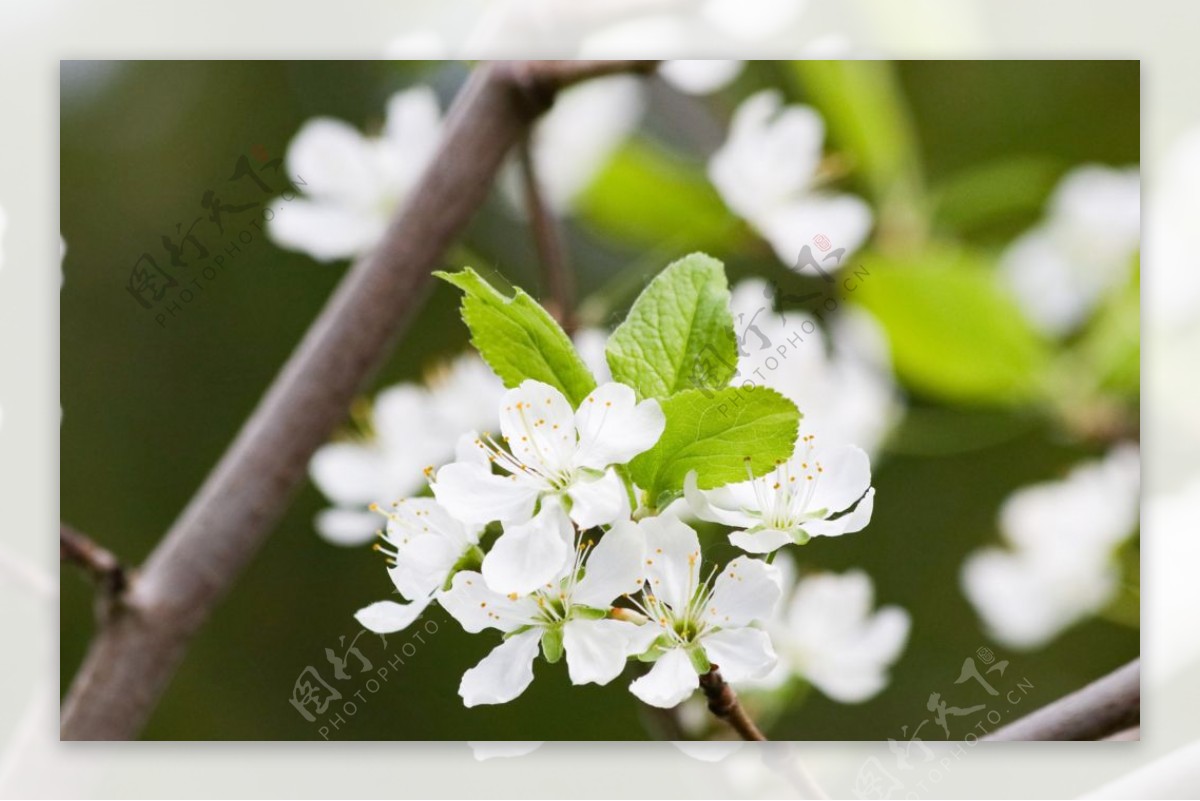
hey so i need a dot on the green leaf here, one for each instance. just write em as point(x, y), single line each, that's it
point(647, 195)
point(1111, 345)
point(717, 434)
point(996, 193)
point(955, 333)
point(678, 333)
point(519, 339)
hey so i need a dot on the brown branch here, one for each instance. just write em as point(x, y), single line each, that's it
point(548, 239)
point(133, 657)
point(723, 702)
point(76, 548)
point(1104, 707)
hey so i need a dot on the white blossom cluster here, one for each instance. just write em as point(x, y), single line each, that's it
point(577, 572)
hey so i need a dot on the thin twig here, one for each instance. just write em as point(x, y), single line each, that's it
point(723, 702)
point(547, 236)
point(76, 548)
point(1104, 707)
point(133, 657)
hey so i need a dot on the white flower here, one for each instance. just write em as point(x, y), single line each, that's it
point(810, 495)
point(353, 183)
point(827, 634)
point(700, 76)
point(425, 546)
point(767, 172)
point(576, 138)
point(1084, 248)
point(552, 453)
point(1059, 568)
point(693, 624)
point(841, 379)
point(567, 615)
point(410, 427)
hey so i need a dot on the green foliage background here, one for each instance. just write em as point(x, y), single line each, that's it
point(958, 157)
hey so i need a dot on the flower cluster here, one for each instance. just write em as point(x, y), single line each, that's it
point(541, 531)
point(571, 573)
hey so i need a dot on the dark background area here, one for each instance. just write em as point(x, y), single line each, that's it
point(148, 410)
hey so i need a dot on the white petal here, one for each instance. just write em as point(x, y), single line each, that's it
point(503, 674)
point(347, 526)
point(844, 220)
point(769, 159)
point(423, 564)
point(672, 559)
point(412, 132)
point(538, 426)
point(475, 607)
point(596, 649)
point(466, 395)
point(614, 427)
point(473, 494)
point(845, 478)
point(325, 231)
point(726, 505)
point(763, 540)
point(859, 669)
point(388, 617)
point(700, 76)
point(335, 163)
point(740, 654)
point(669, 682)
point(747, 590)
point(399, 416)
point(643, 637)
point(1091, 510)
point(1026, 599)
point(349, 474)
point(468, 448)
point(598, 501)
point(615, 567)
point(1045, 283)
point(846, 524)
point(533, 554)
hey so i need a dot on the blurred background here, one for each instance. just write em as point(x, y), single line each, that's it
point(959, 163)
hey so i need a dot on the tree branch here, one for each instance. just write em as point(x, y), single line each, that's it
point(723, 702)
point(133, 657)
point(548, 239)
point(1104, 707)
